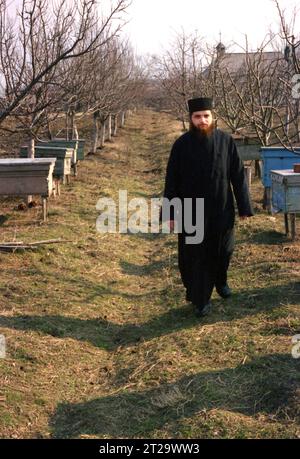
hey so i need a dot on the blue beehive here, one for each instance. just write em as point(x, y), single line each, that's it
point(277, 158)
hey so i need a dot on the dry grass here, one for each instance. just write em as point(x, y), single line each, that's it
point(100, 341)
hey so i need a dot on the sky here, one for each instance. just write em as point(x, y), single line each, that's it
point(152, 23)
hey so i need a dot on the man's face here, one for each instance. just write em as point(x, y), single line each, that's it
point(202, 120)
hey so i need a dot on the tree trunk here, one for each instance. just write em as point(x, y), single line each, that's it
point(122, 119)
point(67, 125)
point(96, 132)
point(287, 121)
point(115, 119)
point(49, 131)
point(258, 167)
point(72, 125)
point(109, 130)
point(31, 146)
point(297, 122)
point(74, 132)
point(30, 154)
point(102, 134)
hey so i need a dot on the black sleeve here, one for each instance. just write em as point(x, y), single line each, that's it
point(239, 182)
point(172, 176)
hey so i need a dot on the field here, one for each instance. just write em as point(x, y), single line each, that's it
point(100, 341)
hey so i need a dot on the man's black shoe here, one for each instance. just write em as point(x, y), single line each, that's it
point(202, 311)
point(224, 291)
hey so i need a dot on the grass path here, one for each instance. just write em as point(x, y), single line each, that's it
point(100, 342)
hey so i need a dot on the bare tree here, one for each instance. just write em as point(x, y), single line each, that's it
point(292, 57)
point(222, 82)
point(44, 35)
point(258, 88)
point(287, 33)
point(180, 72)
point(117, 85)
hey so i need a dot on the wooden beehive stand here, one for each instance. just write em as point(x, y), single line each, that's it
point(290, 227)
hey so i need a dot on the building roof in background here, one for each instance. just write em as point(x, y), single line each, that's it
point(233, 62)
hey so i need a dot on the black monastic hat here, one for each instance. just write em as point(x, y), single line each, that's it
point(200, 104)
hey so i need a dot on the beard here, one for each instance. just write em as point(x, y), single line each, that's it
point(202, 133)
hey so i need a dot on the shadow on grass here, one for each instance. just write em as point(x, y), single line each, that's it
point(145, 270)
point(100, 332)
point(268, 238)
point(147, 195)
point(108, 335)
point(3, 219)
point(148, 236)
point(266, 385)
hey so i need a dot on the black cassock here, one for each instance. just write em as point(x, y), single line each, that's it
point(208, 168)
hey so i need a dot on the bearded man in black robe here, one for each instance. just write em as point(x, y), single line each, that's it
point(204, 163)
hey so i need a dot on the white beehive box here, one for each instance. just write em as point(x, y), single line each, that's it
point(285, 191)
point(22, 177)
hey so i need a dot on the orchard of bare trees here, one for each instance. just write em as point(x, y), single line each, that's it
point(254, 91)
point(65, 59)
point(69, 59)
